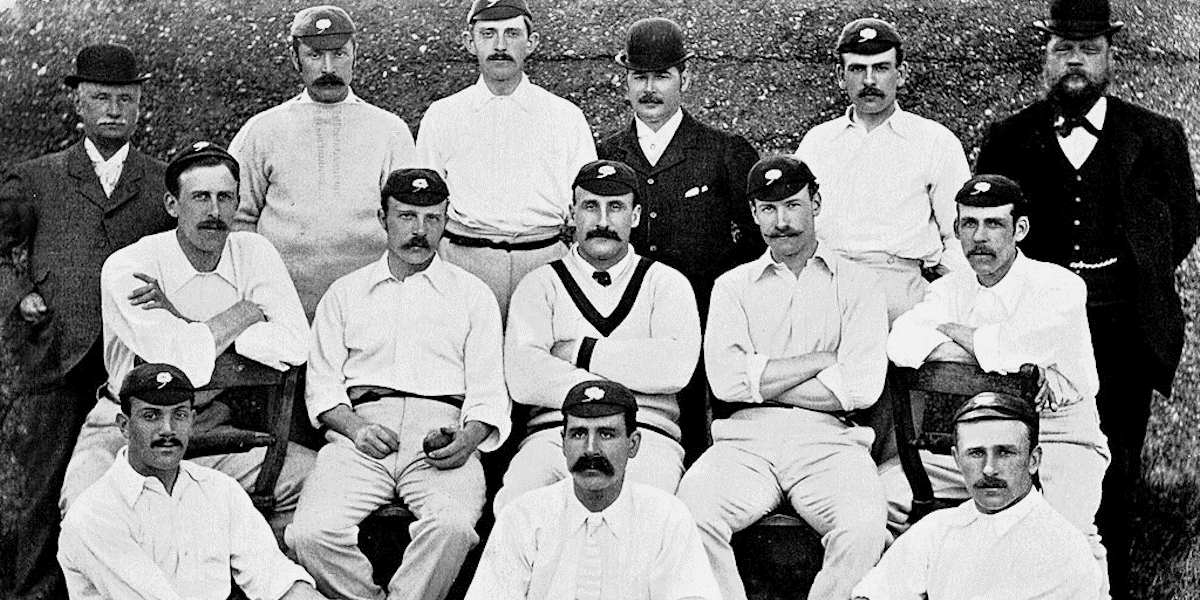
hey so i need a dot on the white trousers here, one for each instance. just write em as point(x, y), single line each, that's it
point(347, 485)
point(764, 457)
point(540, 462)
point(501, 270)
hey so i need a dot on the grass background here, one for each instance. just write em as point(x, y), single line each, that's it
point(764, 70)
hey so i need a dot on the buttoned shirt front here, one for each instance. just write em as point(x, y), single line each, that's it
point(509, 161)
point(1078, 144)
point(654, 143)
point(107, 169)
point(890, 189)
point(762, 311)
point(249, 269)
point(436, 333)
point(1035, 314)
point(1025, 551)
point(127, 537)
point(649, 546)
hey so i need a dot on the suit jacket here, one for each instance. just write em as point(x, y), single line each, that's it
point(695, 216)
point(56, 229)
point(1158, 215)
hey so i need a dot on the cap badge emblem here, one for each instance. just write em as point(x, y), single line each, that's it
point(200, 145)
point(492, 3)
point(420, 184)
point(323, 24)
point(772, 175)
point(981, 187)
point(868, 33)
point(593, 393)
point(605, 171)
point(163, 379)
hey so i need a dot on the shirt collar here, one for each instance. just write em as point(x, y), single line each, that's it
point(1004, 520)
point(1096, 115)
point(437, 273)
point(615, 271)
point(305, 98)
point(1011, 286)
point(129, 483)
point(523, 94)
point(767, 264)
point(900, 121)
point(118, 157)
point(665, 133)
point(178, 270)
point(618, 515)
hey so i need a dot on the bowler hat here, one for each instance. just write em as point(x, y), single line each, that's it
point(654, 44)
point(111, 64)
point(1079, 19)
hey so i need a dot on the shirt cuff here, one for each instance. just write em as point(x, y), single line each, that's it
point(987, 349)
point(259, 343)
point(755, 365)
point(831, 377)
point(321, 399)
point(490, 416)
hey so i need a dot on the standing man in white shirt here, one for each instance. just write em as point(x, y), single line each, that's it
point(888, 176)
point(795, 341)
point(602, 311)
point(508, 149)
point(1008, 311)
point(405, 372)
point(312, 167)
point(593, 535)
point(1007, 541)
point(185, 296)
point(156, 527)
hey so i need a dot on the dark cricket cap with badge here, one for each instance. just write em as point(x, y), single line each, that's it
point(158, 384)
point(497, 10)
point(989, 191)
point(607, 178)
point(778, 177)
point(419, 187)
point(867, 36)
point(194, 152)
point(323, 27)
point(1079, 19)
point(599, 398)
point(997, 405)
point(110, 64)
point(654, 44)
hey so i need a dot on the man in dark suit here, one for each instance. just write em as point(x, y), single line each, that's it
point(695, 216)
point(1111, 188)
point(61, 215)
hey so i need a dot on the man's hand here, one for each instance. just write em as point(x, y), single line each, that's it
point(151, 296)
point(466, 440)
point(33, 308)
point(375, 440)
point(565, 350)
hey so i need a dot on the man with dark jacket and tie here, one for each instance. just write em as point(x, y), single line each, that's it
point(61, 215)
point(1111, 189)
point(691, 182)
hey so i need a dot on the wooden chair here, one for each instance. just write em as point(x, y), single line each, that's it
point(261, 400)
point(778, 556)
point(927, 422)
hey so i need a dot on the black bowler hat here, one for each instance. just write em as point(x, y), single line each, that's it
point(654, 44)
point(111, 64)
point(606, 178)
point(599, 398)
point(419, 187)
point(194, 152)
point(775, 178)
point(1079, 19)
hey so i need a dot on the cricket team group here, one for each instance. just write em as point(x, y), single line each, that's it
point(505, 281)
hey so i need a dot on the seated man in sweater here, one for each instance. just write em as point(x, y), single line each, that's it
point(1007, 542)
point(405, 373)
point(184, 296)
point(600, 312)
point(156, 527)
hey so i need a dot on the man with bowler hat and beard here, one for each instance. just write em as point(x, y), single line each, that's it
point(61, 215)
point(1112, 197)
point(594, 535)
point(690, 181)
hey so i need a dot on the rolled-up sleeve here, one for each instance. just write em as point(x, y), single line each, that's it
point(282, 340)
point(861, 356)
point(914, 334)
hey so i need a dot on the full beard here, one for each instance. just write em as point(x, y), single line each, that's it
point(1076, 101)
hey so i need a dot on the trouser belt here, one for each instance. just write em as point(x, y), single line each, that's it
point(475, 242)
point(453, 400)
point(532, 429)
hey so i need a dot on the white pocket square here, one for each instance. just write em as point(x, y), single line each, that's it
point(696, 191)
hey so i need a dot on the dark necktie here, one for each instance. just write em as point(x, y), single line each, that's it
point(602, 278)
point(1065, 125)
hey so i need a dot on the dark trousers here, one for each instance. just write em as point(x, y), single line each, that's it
point(38, 428)
point(1123, 361)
